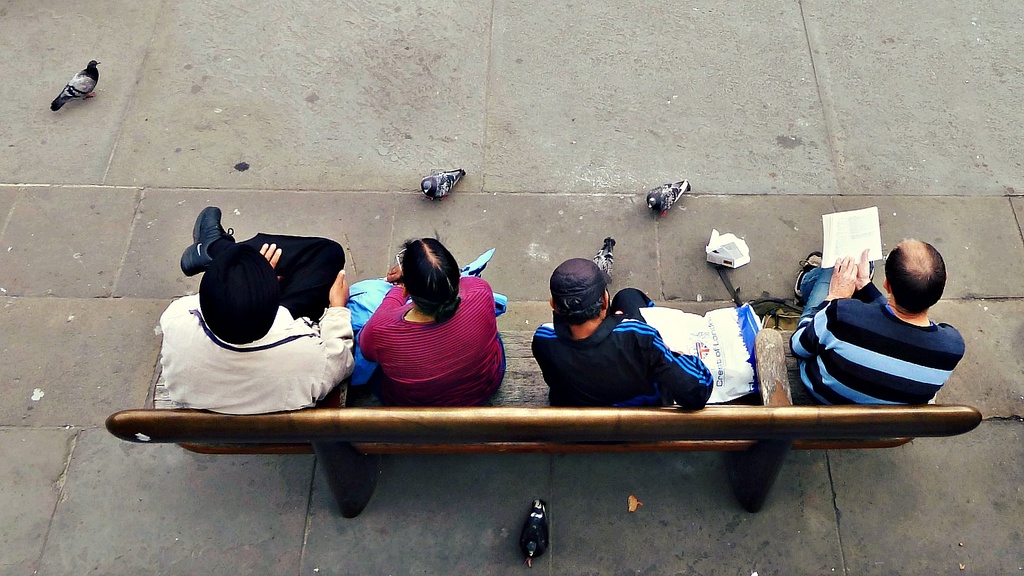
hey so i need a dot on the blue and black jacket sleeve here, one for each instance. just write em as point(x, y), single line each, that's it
point(682, 378)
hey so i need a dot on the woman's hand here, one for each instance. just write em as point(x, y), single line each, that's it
point(394, 275)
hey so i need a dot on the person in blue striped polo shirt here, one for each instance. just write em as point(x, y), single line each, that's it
point(859, 346)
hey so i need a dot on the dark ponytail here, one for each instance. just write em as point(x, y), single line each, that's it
point(448, 309)
point(431, 277)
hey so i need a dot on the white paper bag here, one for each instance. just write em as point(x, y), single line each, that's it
point(727, 250)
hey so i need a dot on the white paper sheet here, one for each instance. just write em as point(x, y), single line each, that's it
point(849, 234)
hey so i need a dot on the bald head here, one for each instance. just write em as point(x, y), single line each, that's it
point(916, 275)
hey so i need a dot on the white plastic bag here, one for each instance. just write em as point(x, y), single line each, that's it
point(723, 339)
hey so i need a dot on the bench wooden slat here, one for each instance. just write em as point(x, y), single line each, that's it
point(497, 424)
point(261, 448)
point(770, 350)
point(524, 384)
point(537, 447)
point(486, 448)
point(554, 448)
point(849, 444)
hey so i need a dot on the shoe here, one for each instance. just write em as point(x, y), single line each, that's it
point(812, 261)
point(206, 231)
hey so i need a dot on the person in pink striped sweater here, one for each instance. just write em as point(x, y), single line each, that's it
point(442, 348)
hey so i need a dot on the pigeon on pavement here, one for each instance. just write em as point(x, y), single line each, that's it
point(440, 184)
point(663, 197)
point(604, 257)
point(80, 86)
point(533, 541)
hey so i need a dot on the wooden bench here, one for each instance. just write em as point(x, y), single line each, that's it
point(349, 441)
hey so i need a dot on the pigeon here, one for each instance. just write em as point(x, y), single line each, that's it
point(534, 539)
point(80, 86)
point(663, 197)
point(604, 257)
point(439, 184)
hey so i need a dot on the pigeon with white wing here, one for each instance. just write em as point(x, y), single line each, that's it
point(440, 183)
point(663, 197)
point(81, 85)
point(605, 258)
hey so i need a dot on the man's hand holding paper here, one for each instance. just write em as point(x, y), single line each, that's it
point(849, 276)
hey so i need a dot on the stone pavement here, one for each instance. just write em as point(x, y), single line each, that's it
point(563, 114)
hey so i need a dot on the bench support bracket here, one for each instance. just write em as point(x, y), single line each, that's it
point(351, 475)
point(752, 472)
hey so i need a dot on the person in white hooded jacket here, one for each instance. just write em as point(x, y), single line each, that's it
point(247, 343)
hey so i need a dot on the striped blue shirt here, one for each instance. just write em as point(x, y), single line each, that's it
point(856, 351)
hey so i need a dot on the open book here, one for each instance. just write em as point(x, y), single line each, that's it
point(849, 234)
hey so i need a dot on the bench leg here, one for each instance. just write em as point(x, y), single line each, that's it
point(351, 475)
point(752, 472)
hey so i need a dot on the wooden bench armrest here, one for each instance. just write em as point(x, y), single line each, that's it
point(770, 352)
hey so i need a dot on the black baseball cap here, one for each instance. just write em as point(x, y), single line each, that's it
point(576, 285)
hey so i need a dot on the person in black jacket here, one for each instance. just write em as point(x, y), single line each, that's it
point(590, 357)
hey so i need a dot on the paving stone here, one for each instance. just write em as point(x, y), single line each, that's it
point(7, 198)
point(690, 522)
point(921, 103)
point(534, 234)
point(350, 97)
point(66, 241)
point(137, 509)
point(75, 361)
point(1018, 209)
point(621, 100)
point(779, 230)
point(34, 460)
point(360, 222)
point(934, 504)
point(45, 46)
point(430, 514)
point(989, 376)
point(978, 238)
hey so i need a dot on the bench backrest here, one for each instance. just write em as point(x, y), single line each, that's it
point(493, 424)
